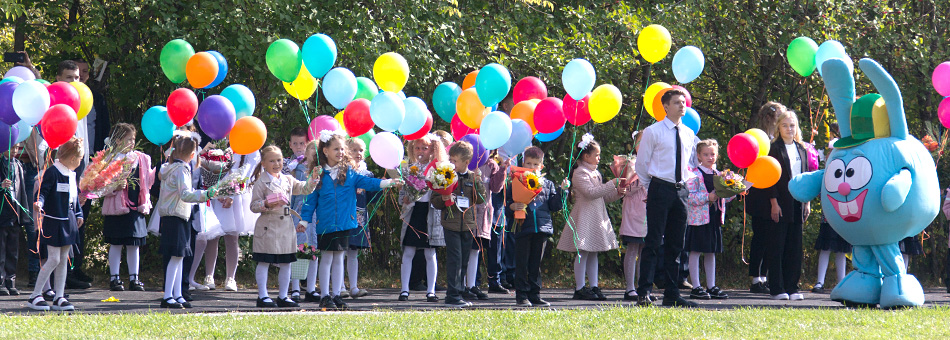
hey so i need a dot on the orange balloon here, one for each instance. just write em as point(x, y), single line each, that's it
point(469, 80)
point(658, 111)
point(247, 135)
point(470, 109)
point(201, 70)
point(764, 172)
point(524, 110)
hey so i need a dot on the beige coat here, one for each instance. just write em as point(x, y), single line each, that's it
point(589, 219)
point(274, 232)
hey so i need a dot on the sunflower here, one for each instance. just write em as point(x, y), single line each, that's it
point(730, 182)
point(413, 169)
point(531, 180)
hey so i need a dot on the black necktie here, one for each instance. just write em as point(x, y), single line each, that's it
point(679, 155)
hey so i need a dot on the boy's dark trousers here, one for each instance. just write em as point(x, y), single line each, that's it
point(458, 246)
point(528, 256)
point(508, 253)
point(9, 249)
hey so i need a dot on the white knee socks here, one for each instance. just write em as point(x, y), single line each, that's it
point(592, 267)
point(261, 275)
point(337, 276)
point(132, 256)
point(353, 268)
point(312, 275)
point(841, 265)
point(283, 279)
point(472, 268)
point(115, 259)
point(406, 269)
point(231, 253)
point(631, 261)
point(580, 269)
point(823, 265)
point(431, 269)
point(173, 277)
point(694, 268)
point(709, 259)
point(200, 245)
point(332, 260)
point(56, 261)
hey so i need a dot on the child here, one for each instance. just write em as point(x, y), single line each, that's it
point(588, 230)
point(334, 202)
point(296, 166)
point(633, 230)
point(359, 238)
point(458, 220)
point(420, 229)
point(124, 210)
point(274, 237)
point(175, 203)
point(12, 216)
point(57, 204)
point(829, 241)
point(533, 233)
point(705, 214)
point(493, 176)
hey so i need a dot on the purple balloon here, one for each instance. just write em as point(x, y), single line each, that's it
point(480, 155)
point(216, 116)
point(8, 136)
point(7, 113)
point(20, 71)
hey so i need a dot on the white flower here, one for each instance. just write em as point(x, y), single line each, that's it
point(634, 135)
point(585, 140)
point(325, 135)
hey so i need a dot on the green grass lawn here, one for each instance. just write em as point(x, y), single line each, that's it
point(610, 323)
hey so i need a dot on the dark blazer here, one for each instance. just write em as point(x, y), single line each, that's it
point(59, 228)
point(16, 199)
point(538, 217)
point(792, 210)
point(103, 122)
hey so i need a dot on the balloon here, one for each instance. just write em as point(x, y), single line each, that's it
point(495, 130)
point(494, 81)
point(444, 99)
point(339, 119)
point(416, 112)
point(577, 112)
point(58, 125)
point(651, 93)
point(689, 97)
point(356, 118)
point(578, 78)
point(303, 86)
point(320, 123)
point(943, 112)
point(174, 58)
point(216, 116)
point(459, 129)
point(519, 140)
point(386, 150)
point(25, 131)
point(284, 60)
point(319, 54)
point(688, 64)
point(30, 101)
point(764, 172)
point(62, 93)
point(201, 70)
point(182, 105)
point(832, 49)
point(525, 112)
point(7, 112)
point(941, 79)
point(247, 135)
point(222, 69)
point(742, 150)
point(658, 111)
point(367, 138)
point(691, 120)
point(391, 72)
point(44, 82)
point(480, 154)
point(339, 87)
point(801, 55)
point(14, 79)
point(8, 134)
point(426, 127)
point(365, 88)
point(529, 88)
point(549, 115)
point(654, 43)
point(470, 109)
point(85, 99)
point(605, 103)
point(387, 111)
point(469, 80)
point(156, 126)
point(242, 98)
point(762, 139)
point(547, 137)
point(21, 72)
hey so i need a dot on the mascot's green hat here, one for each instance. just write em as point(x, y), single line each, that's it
point(868, 121)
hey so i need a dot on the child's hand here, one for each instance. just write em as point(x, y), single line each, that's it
point(7, 184)
point(477, 173)
point(315, 175)
point(302, 227)
point(39, 207)
point(272, 205)
point(82, 200)
point(124, 184)
point(448, 198)
point(79, 222)
point(565, 184)
point(517, 206)
point(397, 183)
point(713, 197)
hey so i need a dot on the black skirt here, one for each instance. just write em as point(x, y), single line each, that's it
point(705, 238)
point(632, 239)
point(176, 237)
point(911, 246)
point(418, 229)
point(335, 241)
point(828, 239)
point(274, 258)
point(126, 230)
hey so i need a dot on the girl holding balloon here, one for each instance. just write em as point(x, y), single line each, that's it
point(759, 207)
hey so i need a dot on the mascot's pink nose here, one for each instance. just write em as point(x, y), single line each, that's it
point(844, 188)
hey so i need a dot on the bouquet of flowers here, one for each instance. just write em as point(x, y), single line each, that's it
point(415, 181)
point(441, 178)
point(217, 153)
point(106, 173)
point(305, 253)
point(525, 185)
point(622, 167)
point(728, 184)
point(233, 183)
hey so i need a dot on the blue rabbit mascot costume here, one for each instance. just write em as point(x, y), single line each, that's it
point(879, 186)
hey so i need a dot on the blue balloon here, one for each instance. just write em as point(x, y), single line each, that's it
point(832, 49)
point(444, 98)
point(691, 120)
point(319, 54)
point(547, 137)
point(339, 87)
point(157, 126)
point(493, 82)
point(25, 130)
point(242, 98)
point(14, 79)
point(495, 130)
point(688, 64)
point(578, 78)
point(416, 113)
point(519, 140)
point(222, 69)
point(9, 134)
point(402, 95)
point(387, 111)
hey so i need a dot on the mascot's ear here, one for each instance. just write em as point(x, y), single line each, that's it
point(887, 87)
point(839, 82)
point(895, 190)
point(807, 186)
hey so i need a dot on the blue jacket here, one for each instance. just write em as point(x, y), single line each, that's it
point(335, 205)
point(538, 214)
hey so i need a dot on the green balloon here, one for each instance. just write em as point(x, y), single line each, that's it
point(801, 55)
point(44, 82)
point(365, 88)
point(174, 57)
point(284, 60)
point(366, 137)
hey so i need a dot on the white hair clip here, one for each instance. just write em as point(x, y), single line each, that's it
point(585, 140)
point(188, 134)
point(634, 135)
point(325, 135)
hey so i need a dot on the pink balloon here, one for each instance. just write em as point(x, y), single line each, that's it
point(689, 98)
point(941, 79)
point(529, 88)
point(386, 150)
point(549, 115)
point(575, 111)
point(742, 150)
point(943, 111)
point(459, 129)
point(320, 123)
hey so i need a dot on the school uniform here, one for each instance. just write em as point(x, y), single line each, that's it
point(458, 220)
point(274, 231)
point(14, 214)
point(911, 246)
point(59, 197)
point(784, 241)
point(828, 239)
point(359, 237)
point(332, 206)
point(124, 210)
point(175, 206)
point(704, 218)
point(296, 166)
point(532, 236)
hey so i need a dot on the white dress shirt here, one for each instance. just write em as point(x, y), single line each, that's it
point(657, 152)
point(794, 158)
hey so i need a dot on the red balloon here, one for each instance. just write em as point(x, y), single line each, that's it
point(356, 118)
point(743, 150)
point(689, 98)
point(459, 129)
point(423, 131)
point(549, 115)
point(576, 111)
point(182, 106)
point(58, 125)
point(529, 88)
point(62, 93)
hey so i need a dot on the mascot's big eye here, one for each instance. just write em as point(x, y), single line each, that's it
point(858, 173)
point(834, 175)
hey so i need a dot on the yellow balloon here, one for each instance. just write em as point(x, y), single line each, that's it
point(651, 94)
point(303, 87)
point(391, 72)
point(762, 139)
point(85, 99)
point(654, 43)
point(339, 118)
point(604, 103)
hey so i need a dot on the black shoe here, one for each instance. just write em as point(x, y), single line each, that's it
point(820, 288)
point(585, 294)
point(138, 286)
point(116, 284)
point(266, 302)
point(468, 295)
point(432, 298)
point(4, 291)
point(478, 293)
point(717, 293)
point(759, 288)
point(171, 303)
point(600, 295)
point(311, 297)
point(679, 302)
point(73, 283)
point(49, 295)
point(295, 296)
point(418, 287)
point(404, 296)
point(460, 303)
point(536, 301)
point(507, 285)
point(186, 295)
point(630, 295)
point(498, 289)
point(699, 293)
point(327, 303)
point(13, 291)
point(81, 276)
point(685, 285)
point(338, 301)
point(286, 302)
point(644, 301)
point(522, 302)
point(184, 303)
point(33, 276)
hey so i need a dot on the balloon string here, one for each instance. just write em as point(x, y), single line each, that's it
point(645, 87)
point(568, 218)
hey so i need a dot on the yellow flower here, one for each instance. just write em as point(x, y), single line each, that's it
point(730, 182)
point(531, 180)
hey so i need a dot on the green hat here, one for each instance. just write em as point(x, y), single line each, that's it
point(868, 121)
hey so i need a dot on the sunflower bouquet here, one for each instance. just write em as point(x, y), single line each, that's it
point(525, 185)
point(729, 184)
point(441, 178)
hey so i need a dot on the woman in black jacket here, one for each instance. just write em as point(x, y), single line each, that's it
point(759, 208)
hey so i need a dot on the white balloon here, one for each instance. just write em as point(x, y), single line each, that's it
point(386, 150)
point(30, 101)
point(495, 130)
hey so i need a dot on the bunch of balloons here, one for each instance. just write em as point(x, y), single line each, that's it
point(26, 102)
point(941, 82)
point(805, 55)
point(202, 70)
point(750, 150)
point(299, 69)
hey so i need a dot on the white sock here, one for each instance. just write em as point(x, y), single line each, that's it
point(178, 274)
point(115, 259)
point(60, 286)
point(294, 285)
point(841, 265)
point(132, 256)
point(353, 268)
point(337, 276)
point(261, 275)
point(694, 268)
point(472, 269)
point(170, 274)
point(406, 269)
point(580, 269)
point(823, 265)
point(326, 264)
point(42, 279)
point(200, 245)
point(283, 279)
point(432, 269)
point(592, 267)
point(764, 279)
point(709, 259)
point(630, 260)
point(312, 275)
point(755, 280)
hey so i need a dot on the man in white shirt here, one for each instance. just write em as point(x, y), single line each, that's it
point(664, 153)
